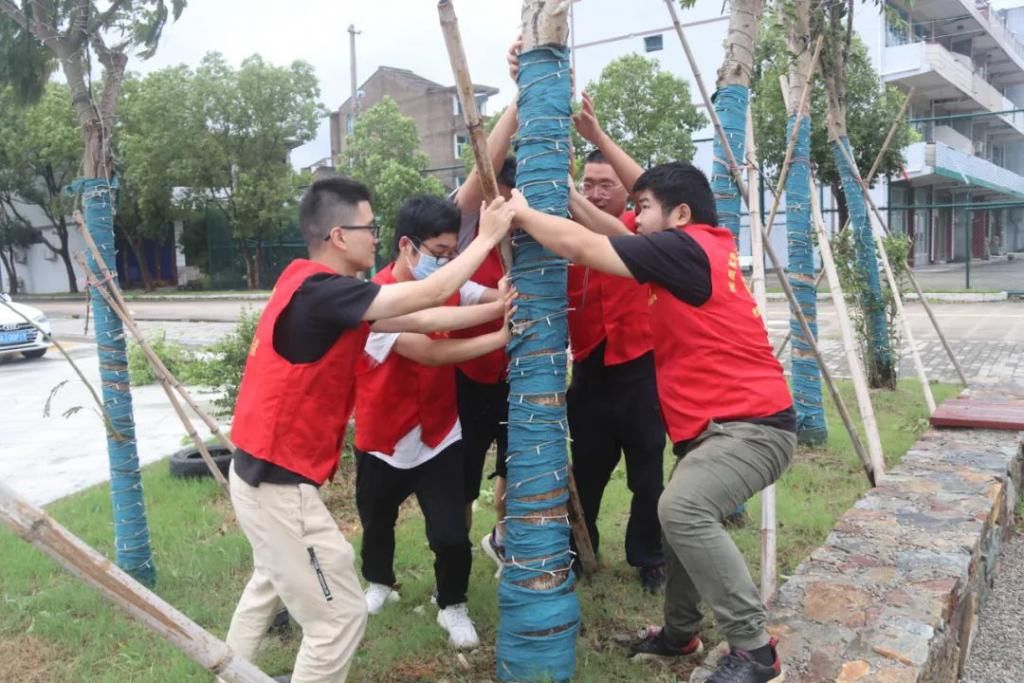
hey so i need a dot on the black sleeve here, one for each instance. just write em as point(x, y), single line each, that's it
point(321, 309)
point(670, 258)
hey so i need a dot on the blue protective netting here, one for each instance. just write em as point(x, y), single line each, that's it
point(538, 627)
point(807, 397)
point(880, 352)
point(131, 530)
point(731, 107)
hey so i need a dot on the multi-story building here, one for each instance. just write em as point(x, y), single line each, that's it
point(962, 190)
point(435, 108)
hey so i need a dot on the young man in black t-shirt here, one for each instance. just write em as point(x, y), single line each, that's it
point(293, 406)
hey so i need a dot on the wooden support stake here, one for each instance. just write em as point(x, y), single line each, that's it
point(470, 114)
point(860, 383)
point(34, 526)
point(844, 414)
point(897, 297)
point(115, 290)
point(769, 524)
point(584, 547)
point(160, 370)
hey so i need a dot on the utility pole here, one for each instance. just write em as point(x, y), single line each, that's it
point(352, 32)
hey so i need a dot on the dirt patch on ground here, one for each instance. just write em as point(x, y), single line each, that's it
point(27, 659)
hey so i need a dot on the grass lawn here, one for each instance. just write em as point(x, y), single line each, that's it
point(52, 628)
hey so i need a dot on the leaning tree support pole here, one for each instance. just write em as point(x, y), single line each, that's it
point(162, 373)
point(860, 383)
point(110, 279)
point(769, 525)
point(897, 297)
point(470, 113)
point(539, 610)
point(489, 187)
point(870, 178)
point(844, 414)
point(39, 529)
point(131, 530)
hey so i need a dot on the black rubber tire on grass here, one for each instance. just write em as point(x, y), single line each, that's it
point(188, 463)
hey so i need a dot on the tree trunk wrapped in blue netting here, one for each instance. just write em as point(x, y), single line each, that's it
point(539, 610)
point(731, 106)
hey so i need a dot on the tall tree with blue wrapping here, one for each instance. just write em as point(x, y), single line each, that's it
point(807, 396)
point(732, 96)
point(540, 615)
point(37, 37)
point(835, 22)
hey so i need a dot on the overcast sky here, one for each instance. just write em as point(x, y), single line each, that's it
point(407, 34)
point(398, 33)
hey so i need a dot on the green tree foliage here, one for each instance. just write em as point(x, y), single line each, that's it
point(871, 108)
point(646, 110)
point(252, 116)
point(14, 236)
point(384, 152)
point(40, 152)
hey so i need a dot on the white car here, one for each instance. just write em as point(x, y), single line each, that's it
point(19, 336)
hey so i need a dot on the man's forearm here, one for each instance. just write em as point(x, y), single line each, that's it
point(441, 319)
point(470, 193)
point(594, 219)
point(625, 167)
point(448, 351)
point(558, 234)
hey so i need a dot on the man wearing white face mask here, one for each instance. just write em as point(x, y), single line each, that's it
point(408, 436)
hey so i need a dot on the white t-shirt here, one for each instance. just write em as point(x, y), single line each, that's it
point(410, 451)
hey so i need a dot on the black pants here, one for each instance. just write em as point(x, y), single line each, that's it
point(614, 410)
point(483, 412)
point(437, 483)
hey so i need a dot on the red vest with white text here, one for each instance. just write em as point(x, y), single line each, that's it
point(714, 362)
point(394, 396)
point(294, 415)
point(489, 368)
point(603, 306)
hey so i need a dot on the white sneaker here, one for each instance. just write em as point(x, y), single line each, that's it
point(378, 595)
point(455, 620)
point(494, 551)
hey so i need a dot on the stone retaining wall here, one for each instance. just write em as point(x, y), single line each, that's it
point(893, 593)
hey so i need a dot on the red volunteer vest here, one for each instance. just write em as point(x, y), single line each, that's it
point(714, 362)
point(603, 306)
point(295, 415)
point(394, 396)
point(489, 368)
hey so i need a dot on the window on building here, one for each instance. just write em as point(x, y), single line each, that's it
point(481, 104)
point(460, 143)
point(456, 104)
point(652, 43)
point(349, 123)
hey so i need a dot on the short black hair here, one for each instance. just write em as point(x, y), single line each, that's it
point(425, 216)
point(329, 202)
point(595, 157)
point(507, 173)
point(680, 182)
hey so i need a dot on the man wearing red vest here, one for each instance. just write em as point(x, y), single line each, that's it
point(294, 403)
point(725, 401)
point(612, 401)
point(482, 384)
point(408, 435)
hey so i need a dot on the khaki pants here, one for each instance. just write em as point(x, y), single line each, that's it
point(724, 466)
point(301, 559)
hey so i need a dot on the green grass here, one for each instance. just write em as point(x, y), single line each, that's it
point(52, 628)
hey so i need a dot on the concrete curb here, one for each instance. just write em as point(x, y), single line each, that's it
point(893, 593)
point(938, 297)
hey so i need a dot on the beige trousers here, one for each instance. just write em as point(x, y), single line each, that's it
point(301, 559)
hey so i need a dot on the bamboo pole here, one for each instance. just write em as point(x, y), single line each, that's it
point(893, 285)
point(860, 384)
point(161, 371)
point(115, 290)
point(34, 526)
point(489, 188)
point(470, 113)
point(844, 414)
point(769, 524)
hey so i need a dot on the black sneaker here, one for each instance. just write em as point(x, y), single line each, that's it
point(739, 667)
point(654, 645)
point(653, 579)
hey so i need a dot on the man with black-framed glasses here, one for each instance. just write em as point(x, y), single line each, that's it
point(294, 403)
point(408, 434)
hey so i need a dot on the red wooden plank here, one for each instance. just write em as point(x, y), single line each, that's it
point(967, 412)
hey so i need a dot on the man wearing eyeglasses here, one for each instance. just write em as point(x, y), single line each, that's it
point(409, 439)
point(612, 401)
point(294, 403)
